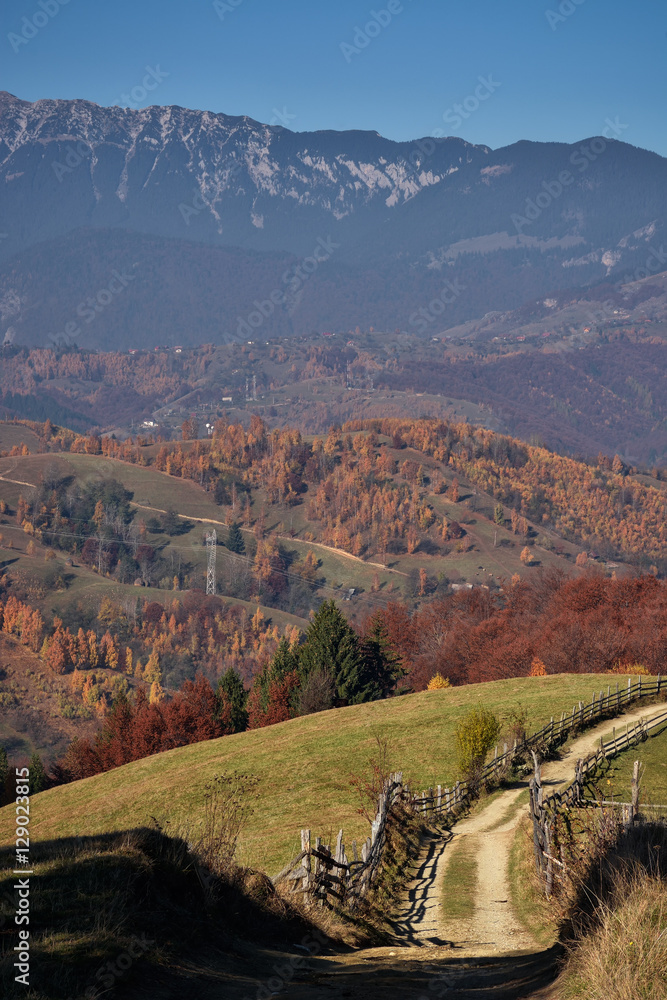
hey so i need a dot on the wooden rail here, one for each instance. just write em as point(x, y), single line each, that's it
point(544, 809)
point(322, 872)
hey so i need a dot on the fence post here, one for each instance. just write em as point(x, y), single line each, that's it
point(340, 850)
point(639, 693)
point(536, 836)
point(618, 697)
point(634, 808)
point(549, 852)
point(318, 869)
point(439, 799)
point(579, 780)
point(305, 846)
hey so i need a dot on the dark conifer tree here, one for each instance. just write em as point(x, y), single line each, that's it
point(38, 780)
point(235, 541)
point(383, 666)
point(332, 645)
point(232, 692)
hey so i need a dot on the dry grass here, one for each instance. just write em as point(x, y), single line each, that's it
point(625, 956)
point(613, 892)
point(533, 911)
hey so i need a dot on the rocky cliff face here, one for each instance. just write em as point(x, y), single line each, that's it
point(404, 225)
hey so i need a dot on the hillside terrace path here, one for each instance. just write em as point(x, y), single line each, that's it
point(489, 954)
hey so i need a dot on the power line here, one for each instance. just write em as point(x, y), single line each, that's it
point(376, 602)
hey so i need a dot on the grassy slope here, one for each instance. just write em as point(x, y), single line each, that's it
point(303, 766)
point(14, 434)
point(652, 756)
point(84, 584)
point(485, 563)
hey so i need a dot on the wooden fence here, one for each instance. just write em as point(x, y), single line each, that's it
point(544, 809)
point(322, 871)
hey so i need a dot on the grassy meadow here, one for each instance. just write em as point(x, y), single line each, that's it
point(614, 778)
point(304, 767)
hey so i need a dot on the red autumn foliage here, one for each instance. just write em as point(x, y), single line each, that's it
point(136, 729)
point(278, 708)
point(574, 625)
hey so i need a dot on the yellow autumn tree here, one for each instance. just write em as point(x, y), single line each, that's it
point(156, 693)
point(537, 668)
point(438, 682)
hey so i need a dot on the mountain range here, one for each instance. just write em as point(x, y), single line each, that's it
point(132, 228)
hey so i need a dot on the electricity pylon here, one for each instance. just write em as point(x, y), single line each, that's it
point(211, 552)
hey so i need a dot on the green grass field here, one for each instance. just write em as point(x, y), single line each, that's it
point(304, 767)
point(615, 777)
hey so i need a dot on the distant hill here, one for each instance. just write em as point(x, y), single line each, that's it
point(174, 226)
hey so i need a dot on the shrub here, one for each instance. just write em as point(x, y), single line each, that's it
point(516, 721)
point(438, 682)
point(227, 807)
point(476, 733)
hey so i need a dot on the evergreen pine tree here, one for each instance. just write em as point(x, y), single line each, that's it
point(37, 774)
point(230, 686)
point(235, 541)
point(383, 666)
point(332, 645)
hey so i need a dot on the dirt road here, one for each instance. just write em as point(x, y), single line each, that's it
point(488, 954)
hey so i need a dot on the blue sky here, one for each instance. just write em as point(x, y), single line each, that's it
point(555, 70)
